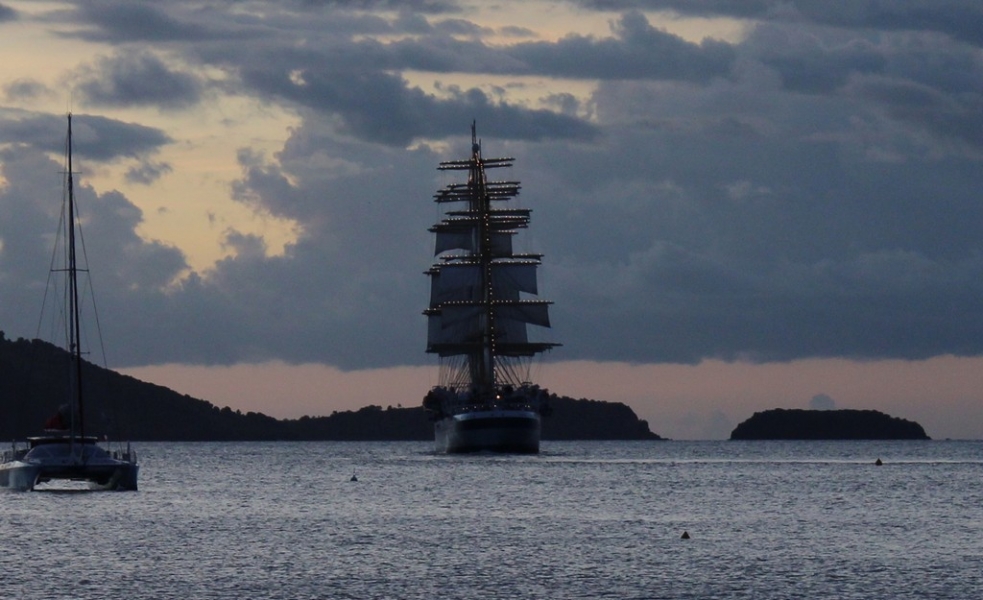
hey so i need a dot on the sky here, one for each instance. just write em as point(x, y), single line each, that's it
point(741, 205)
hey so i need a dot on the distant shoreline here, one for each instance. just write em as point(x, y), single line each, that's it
point(31, 390)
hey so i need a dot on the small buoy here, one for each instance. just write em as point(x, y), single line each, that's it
point(878, 462)
point(353, 476)
point(685, 536)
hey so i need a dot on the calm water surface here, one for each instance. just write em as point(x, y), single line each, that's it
point(581, 520)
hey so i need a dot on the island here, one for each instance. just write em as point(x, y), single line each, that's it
point(799, 424)
point(31, 392)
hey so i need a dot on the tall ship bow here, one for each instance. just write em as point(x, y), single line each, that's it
point(482, 300)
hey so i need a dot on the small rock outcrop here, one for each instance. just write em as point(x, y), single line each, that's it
point(799, 424)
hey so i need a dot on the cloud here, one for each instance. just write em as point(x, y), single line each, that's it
point(95, 137)
point(180, 22)
point(128, 273)
point(137, 79)
point(638, 51)
point(382, 108)
point(407, 6)
point(7, 14)
point(121, 21)
point(27, 89)
point(822, 402)
point(356, 80)
point(961, 19)
point(147, 172)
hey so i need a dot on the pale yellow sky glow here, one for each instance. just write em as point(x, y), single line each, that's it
point(189, 207)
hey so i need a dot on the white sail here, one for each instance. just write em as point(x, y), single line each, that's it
point(453, 240)
point(500, 243)
point(511, 332)
point(534, 313)
point(462, 282)
point(461, 325)
point(454, 329)
point(455, 283)
point(518, 277)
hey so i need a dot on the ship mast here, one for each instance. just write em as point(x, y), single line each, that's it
point(74, 338)
point(484, 377)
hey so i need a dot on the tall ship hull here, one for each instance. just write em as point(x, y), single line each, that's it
point(494, 430)
point(482, 304)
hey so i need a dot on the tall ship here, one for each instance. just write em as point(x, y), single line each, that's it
point(482, 300)
point(65, 451)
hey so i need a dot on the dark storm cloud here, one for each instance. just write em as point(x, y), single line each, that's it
point(809, 63)
point(958, 118)
point(962, 19)
point(382, 107)
point(410, 6)
point(356, 81)
point(25, 89)
point(637, 51)
point(461, 27)
point(728, 8)
point(182, 21)
point(746, 222)
point(96, 137)
point(106, 139)
point(137, 79)
point(7, 13)
point(147, 172)
point(360, 80)
point(124, 21)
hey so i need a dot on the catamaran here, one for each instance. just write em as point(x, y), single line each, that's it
point(65, 451)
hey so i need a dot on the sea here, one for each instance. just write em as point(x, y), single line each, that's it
point(313, 520)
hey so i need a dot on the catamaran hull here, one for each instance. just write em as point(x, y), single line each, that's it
point(18, 476)
point(515, 432)
point(24, 477)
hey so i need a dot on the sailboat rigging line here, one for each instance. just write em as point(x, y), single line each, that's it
point(52, 269)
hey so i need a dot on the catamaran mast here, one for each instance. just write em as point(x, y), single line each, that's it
point(73, 296)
